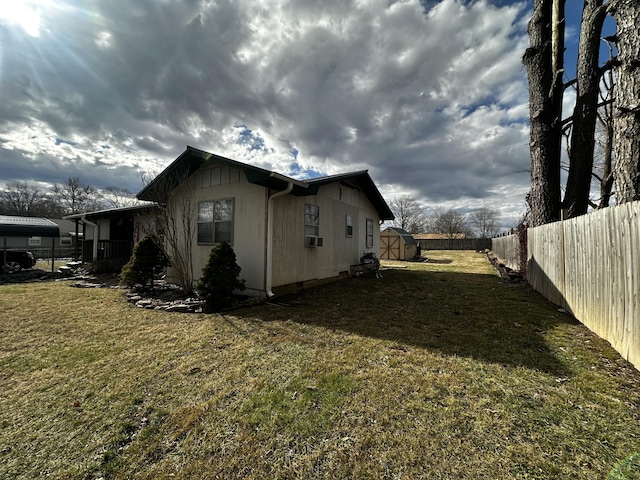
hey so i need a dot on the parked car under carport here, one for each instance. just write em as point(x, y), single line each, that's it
point(12, 261)
point(16, 234)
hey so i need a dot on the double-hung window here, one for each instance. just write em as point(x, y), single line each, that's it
point(215, 221)
point(348, 224)
point(369, 233)
point(311, 220)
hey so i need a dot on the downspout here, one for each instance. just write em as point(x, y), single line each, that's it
point(269, 280)
point(95, 237)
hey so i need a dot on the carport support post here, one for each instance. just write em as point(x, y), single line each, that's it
point(4, 254)
point(77, 249)
point(53, 253)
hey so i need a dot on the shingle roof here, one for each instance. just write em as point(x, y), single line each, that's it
point(192, 159)
point(112, 212)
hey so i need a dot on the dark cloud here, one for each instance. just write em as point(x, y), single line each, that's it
point(48, 169)
point(430, 98)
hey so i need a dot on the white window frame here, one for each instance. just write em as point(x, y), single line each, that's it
point(311, 220)
point(369, 233)
point(348, 225)
point(35, 241)
point(214, 220)
point(65, 241)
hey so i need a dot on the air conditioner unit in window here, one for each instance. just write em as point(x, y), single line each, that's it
point(313, 241)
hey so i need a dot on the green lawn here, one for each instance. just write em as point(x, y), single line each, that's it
point(437, 370)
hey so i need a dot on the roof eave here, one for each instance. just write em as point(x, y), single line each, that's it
point(192, 159)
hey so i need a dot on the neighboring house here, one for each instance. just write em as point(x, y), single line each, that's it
point(109, 235)
point(397, 244)
point(284, 232)
point(69, 241)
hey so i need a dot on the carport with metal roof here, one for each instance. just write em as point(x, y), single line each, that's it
point(16, 232)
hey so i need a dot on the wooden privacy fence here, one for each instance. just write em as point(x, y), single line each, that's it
point(590, 266)
point(507, 249)
point(455, 244)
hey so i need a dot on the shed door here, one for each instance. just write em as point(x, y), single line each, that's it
point(390, 247)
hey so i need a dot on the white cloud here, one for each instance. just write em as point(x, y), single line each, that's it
point(24, 13)
point(431, 100)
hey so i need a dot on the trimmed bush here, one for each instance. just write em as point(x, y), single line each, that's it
point(220, 277)
point(146, 260)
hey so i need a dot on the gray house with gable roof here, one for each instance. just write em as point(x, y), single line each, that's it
point(285, 232)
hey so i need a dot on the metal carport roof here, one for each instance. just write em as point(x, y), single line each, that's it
point(11, 226)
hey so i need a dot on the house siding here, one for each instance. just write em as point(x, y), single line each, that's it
point(213, 182)
point(293, 262)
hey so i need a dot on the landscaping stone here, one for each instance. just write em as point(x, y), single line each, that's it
point(85, 284)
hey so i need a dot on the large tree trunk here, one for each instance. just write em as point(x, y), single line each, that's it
point(544, 71)
point(627, 113)
point(585, 112)
point(605, 116)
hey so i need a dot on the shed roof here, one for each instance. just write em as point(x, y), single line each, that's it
point(12, 226)
point(192, 159)
point(406, 237)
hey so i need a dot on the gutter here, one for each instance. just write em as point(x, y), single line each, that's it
point(281, 193)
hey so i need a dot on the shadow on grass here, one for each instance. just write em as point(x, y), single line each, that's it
point(460, 314)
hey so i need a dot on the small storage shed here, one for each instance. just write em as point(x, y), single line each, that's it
point(397, 244)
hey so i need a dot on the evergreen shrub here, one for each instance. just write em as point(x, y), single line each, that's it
point(146, 261)
point(220, 277)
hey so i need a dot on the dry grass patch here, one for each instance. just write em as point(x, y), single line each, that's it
point(437, 370)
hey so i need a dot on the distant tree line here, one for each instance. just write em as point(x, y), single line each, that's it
point(410, 216)
point(32, 200)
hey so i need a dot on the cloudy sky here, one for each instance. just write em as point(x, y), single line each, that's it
point(429, 96)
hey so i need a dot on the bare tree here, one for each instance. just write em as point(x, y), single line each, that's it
point(118, 197)
point(408, 214)
point(176, 222)
point(21, 198)
point(75, 196)
point(450, 223)
point(603, 170)
point(485, 222)
point(627, 108)
point(544, 63)
point(585, 112)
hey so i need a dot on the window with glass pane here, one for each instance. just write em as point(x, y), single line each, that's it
point(369, 233)
point(311, 220)
point(348, 225)
point(215, 221)
point(205, 222)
